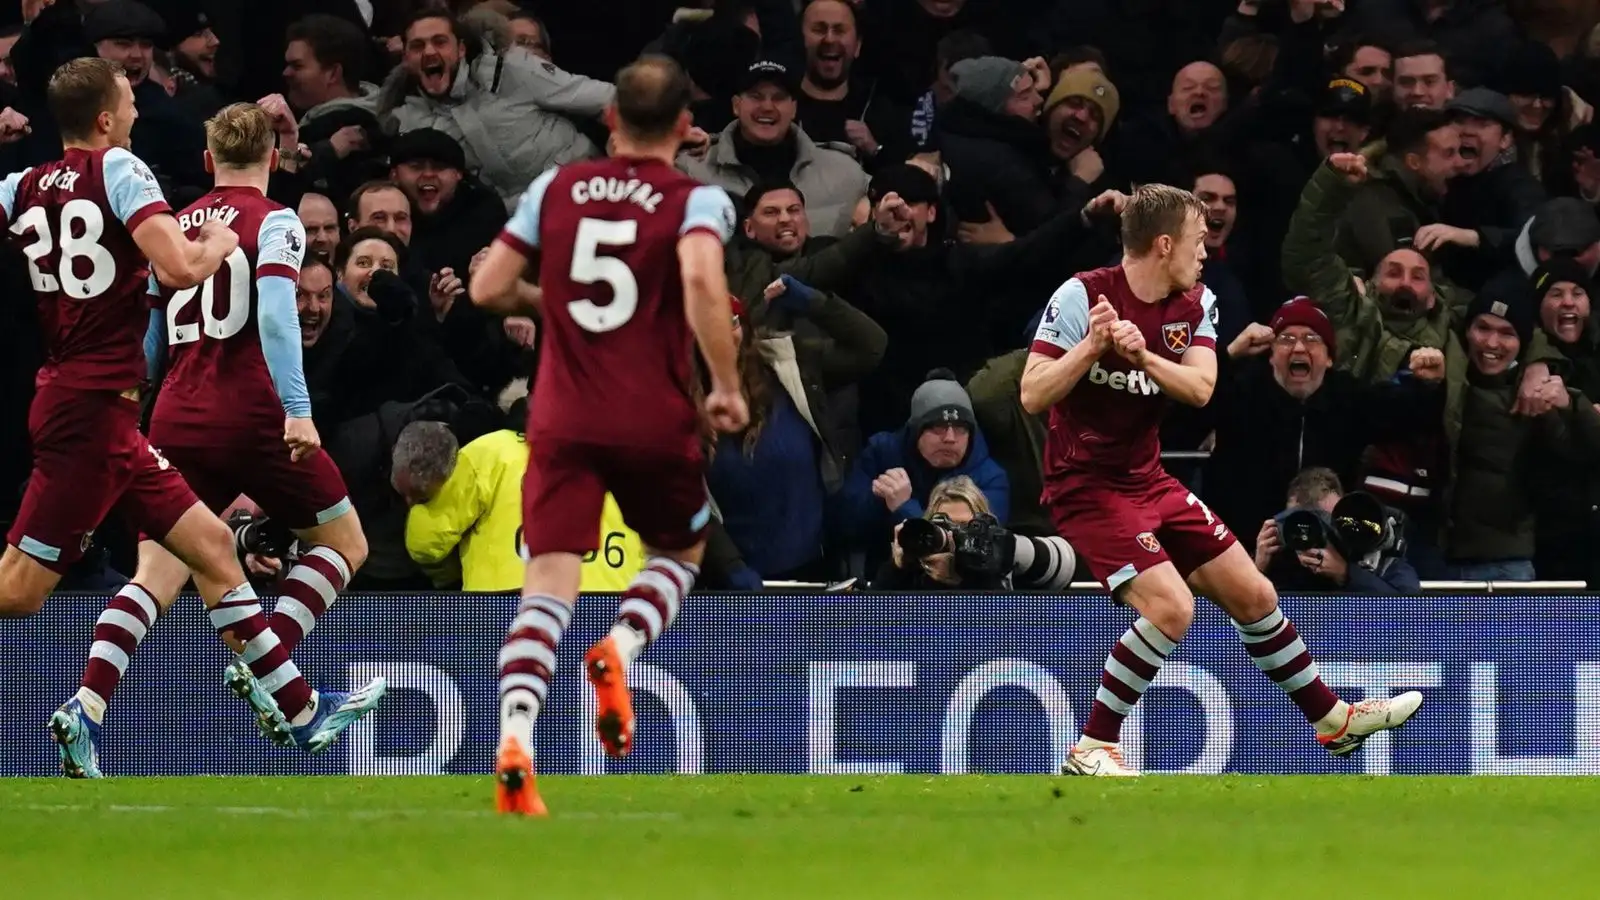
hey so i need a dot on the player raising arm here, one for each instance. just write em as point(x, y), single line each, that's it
point(630, 263)
point(1103, 371)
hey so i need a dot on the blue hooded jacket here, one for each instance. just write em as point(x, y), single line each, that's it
point(867, 524)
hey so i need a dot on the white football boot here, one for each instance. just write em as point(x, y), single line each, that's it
point(1368, 718)
point(1102, 760)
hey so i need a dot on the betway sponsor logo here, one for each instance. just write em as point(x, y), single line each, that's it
point(1135, 382)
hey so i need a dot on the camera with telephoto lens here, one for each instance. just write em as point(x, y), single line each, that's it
point(1304, 529)
point(1359, 525)
point(983, 549)
point(259, 535)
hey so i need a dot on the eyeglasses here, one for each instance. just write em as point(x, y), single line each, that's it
point(1286, 339)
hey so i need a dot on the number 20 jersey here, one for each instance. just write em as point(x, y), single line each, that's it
point(74, 219)
point(218, 390)
point(615, 365)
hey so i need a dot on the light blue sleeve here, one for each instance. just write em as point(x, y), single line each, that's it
point(1207, 329)
point(130, 186)
point(280, 244)
point(8, 193)
point(708, 207)
point(523, 228)
point(1066, 318)
point(279, 322)
point(155, 346)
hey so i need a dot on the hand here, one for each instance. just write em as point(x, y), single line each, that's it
point(32, 8)
point(892, 216)
point(696, 143)
point(1128, 341)
point(1559, 398)
point(521, 331)
point(1109, 202)
point(791, 293)
point(1101, 319)
point(1582, 113)
point(1325, 562)
point(443, 289)
point(1268, 543)
point(1353, 166)
point(1254, 340)
point(727, 410)
point(893, 488)
point(477, 262)
point(1548, 392)
point(215, 233)
point(941, 567)
point(1087, 166)
point(1039, 70)
point(993, 231)
point(265, 566)
point(1427, 364)
point(861, 138)
point(283, 121)
point(13, 126)
point(302, 438)
point(1432, 237)
point(1532, 398)
point(348, 140)
point(897, 555)
point(394, 46)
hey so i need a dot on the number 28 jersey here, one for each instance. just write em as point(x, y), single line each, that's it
point(219, 389)
point(74, 220)
point(615, 363)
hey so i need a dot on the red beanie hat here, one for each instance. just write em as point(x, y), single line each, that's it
point(1305, 312)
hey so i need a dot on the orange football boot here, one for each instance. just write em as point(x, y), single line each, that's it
point(515, 792)
point(613, 721)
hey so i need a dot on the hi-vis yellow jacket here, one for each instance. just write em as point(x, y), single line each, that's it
point(477, 516)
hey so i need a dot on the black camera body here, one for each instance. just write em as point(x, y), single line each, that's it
point(1358, 526)
point(983, 549)
point(259, 535)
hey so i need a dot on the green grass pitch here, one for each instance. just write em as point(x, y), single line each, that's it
point(757, 837)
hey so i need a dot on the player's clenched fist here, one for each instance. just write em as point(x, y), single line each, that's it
point(214, 232)
point(1101, 318)
point(1128, 340)
point(302, 438)
point(726, 409)
point(1427, 364)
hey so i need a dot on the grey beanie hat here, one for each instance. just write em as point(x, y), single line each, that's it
point(941, 399)
point(985, 81)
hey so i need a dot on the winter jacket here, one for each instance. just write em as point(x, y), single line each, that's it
point(1382, 212)
point(889, 123)
point(1374, 343)
point(867, 524)
point(1495, 203)
point(1566, 499)
point(830, 179)
point(367, 98)
point(1016, 438)
point(998, 158)
point(1488, 511)
point(509, 113)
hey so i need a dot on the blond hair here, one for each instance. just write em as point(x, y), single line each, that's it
point(240, 136)
point(1155, 210)
point(960, 489)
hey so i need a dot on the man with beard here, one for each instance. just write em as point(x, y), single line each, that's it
point(1409, 180)
point(1079, 112)
point(834, 106)
point(776, 218)
point(193, 46)
point(508, 112)
point(1491, 198)
point(321, 220)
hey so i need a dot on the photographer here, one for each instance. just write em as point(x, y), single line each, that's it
point(1328, 542)
point(960, 545)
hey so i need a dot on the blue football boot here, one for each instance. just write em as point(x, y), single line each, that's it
point(335, 713)
point(78, 737)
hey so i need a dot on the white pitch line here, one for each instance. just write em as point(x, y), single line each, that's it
point(311, 813)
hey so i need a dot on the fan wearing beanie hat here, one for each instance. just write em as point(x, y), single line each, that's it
point(997, 85)
point(1303, 347)
point(942, 420)
point(1499, 323)
point(1562, 289)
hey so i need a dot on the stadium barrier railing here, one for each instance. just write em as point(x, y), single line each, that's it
point(851, 684)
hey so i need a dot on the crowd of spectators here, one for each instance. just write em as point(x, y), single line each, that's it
point(1402, 236)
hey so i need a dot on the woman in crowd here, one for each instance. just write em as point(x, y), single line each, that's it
point(769, 483)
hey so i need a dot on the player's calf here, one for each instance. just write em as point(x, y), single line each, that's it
point(648, 608)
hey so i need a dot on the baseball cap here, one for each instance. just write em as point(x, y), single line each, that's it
point(766, 71)
point(122, 19)
point(1482, 103)
point(1345, 98)
point(1091, 85)
point(428, 143)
